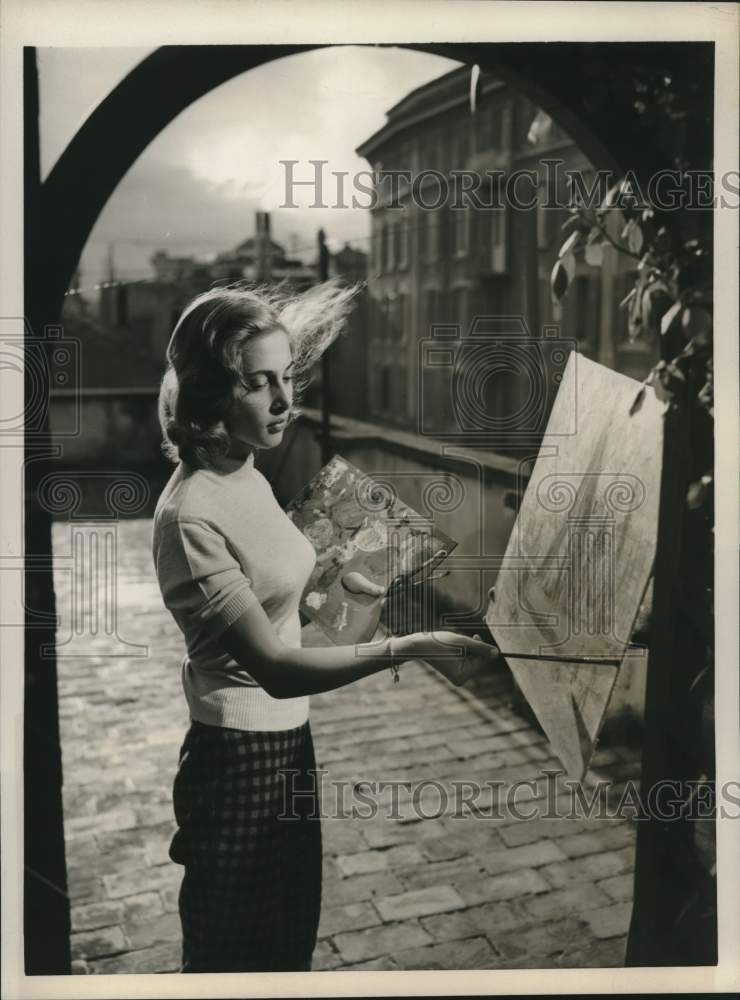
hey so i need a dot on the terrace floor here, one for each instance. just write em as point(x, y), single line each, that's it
point(407, 888)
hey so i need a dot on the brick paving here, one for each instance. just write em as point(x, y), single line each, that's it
point(484, 891)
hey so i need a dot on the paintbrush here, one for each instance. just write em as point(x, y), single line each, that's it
point(604, 661)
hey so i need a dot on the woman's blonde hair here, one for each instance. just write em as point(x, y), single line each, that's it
point(204, 357)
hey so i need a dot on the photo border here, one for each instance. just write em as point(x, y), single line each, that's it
point(158, 22)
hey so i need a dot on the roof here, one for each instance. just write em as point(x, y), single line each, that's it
point(450, 90)
point(250, 243)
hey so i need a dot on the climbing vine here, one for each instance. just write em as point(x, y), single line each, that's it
point(671, 295)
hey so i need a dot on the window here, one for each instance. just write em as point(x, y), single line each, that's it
point(385, 387)
point(432, 309)
point(420, 228)
point(460, 308)
point(546, 218)
point(499, 241)
point(390, 245)
point(587, 307)
point(461, 229)
point(400, 391)
point(391, 318)
point(378, 323)
point(402, 318)
point(463, 150)
point(433, 220)
point(403, 239)
point(483, 129)
point(497, 127)
point(429, 153)
point(379, 244)
point(376, 246)
point(386, 319)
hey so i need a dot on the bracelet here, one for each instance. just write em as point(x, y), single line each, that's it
point(394, 666)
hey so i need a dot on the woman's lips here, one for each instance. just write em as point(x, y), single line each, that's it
point(275, 424)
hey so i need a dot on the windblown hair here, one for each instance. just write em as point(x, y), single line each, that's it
point(196, 396)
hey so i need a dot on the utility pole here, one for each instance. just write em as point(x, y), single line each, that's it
point(263, 247)
point(325, 367)
point(111, 262)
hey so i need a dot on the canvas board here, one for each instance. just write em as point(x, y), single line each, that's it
point(581, 552)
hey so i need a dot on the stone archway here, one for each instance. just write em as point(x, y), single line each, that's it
point(568, 80)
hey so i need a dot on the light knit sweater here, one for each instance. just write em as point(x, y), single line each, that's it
point(220, 542)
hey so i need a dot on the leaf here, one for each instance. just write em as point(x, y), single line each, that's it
point(675, 372)
point(697, 325)
point(637, 401)
point(662, 240)
point(635, 313)
point(569, 244)
point(635, 238)
point(569, 263)
point(576, 221)
point(558, 281)
point(540, 128)
point(657, 300)
point(612, 195)
point(698, 492)
point(662, 391)
point(594, 254)
point(670, 317)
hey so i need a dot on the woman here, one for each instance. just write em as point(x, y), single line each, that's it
point(231, 568)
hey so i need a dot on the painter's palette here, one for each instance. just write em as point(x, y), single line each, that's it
point(356, 523)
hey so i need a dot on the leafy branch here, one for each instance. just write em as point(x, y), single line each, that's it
point(671, 297)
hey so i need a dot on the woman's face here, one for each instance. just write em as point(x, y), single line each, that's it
point(262, 405)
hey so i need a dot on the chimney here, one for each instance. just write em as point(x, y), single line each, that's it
point(263, 247)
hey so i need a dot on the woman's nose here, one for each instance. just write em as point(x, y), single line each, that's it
point(282, 397)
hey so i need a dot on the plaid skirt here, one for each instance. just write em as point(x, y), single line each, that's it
point(249, 837)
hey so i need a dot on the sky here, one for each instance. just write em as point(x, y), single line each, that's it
point(195, 189)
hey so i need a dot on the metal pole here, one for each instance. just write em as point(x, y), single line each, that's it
point(325, 366)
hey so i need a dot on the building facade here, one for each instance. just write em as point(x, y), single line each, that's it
point(436, 264)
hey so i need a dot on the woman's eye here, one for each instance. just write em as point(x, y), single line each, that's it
point(258, 383)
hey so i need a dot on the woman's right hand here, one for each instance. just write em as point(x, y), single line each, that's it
point(457, 657)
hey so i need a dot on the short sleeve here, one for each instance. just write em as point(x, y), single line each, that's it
point(201, 581)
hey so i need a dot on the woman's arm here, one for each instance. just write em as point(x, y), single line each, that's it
point(286, 672)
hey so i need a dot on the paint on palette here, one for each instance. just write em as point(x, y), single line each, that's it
point(356, 523)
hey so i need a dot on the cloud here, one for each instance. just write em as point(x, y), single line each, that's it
point(160, 206)
point(196, 187)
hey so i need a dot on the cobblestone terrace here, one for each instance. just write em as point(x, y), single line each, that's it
point(477, 892)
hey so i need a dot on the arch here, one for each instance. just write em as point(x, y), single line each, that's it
point(587, 88)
